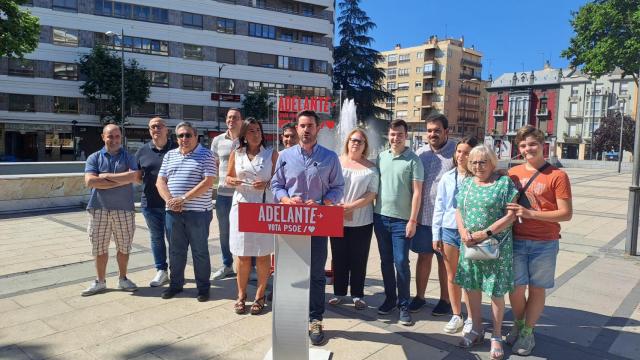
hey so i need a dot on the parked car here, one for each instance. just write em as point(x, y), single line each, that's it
point(611, 156)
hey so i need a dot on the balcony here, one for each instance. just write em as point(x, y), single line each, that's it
point(323, 15)
point(542, 112)
point(464, 76)
point(572, 115)
point(468, 91)
point(467, 120)
point(572, 139)
point(498, 113)
point(427, 102)
point(468, 106)
point(429, 74)
point(470, 63)
point(428, 89)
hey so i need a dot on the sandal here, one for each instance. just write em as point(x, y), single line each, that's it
point(471, 338)
point(258, 305)
point(239, 307)
point(335, 300)
point(496, 353)
point(359, 304)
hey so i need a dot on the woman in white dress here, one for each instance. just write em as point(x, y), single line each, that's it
point(250, 168)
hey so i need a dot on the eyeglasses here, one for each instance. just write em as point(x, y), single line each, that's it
point(185, 135)
point(154, 126)
point(481, 163)
point(357, 141)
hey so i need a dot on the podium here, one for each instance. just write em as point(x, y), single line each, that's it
point(293, 227)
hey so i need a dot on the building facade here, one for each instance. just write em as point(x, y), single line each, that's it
point(583, 102)
point(440, 76)
point(202, 56)
point(519, 99)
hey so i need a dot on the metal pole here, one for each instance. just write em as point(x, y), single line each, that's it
point(124, 136)
point(593, 118)
point(631, 244)
point(620, 146)
point(219, 94)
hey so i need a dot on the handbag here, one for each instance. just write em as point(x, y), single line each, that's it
point(488, 249)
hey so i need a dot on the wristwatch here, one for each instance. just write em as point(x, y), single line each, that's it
point(184, 198)
point(489, 232)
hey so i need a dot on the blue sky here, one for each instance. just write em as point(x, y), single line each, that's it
point(512, 34)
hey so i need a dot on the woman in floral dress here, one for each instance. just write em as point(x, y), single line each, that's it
point(482, 214)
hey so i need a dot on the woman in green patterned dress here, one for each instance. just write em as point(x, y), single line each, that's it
point(481, 214)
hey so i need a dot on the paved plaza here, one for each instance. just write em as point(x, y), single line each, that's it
point(592, 313)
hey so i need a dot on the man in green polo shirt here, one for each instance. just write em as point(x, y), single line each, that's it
point(395, 218)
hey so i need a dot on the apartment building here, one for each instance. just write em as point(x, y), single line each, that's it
point(583, 102)
point(440, 76)
point(202, 56)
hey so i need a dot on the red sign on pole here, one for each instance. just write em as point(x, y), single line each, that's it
point(291, 219)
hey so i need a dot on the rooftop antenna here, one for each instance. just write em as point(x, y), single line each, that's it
point(522, 64)
point(540, 52)
point(446, 34)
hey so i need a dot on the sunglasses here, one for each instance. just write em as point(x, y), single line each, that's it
point(357, 141)
point(185, 135)
point(153, 127)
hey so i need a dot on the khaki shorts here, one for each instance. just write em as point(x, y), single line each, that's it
point(103, 223)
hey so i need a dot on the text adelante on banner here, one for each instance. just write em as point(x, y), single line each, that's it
point(291, 219)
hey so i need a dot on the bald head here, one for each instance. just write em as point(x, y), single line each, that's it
point(110, 127)
point(112, 138)
point(159, 132)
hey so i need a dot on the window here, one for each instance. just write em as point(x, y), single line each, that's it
point(263, 31)
point(427, 68)
point(65, 71)
point(402, 114)
point(418, 70)
point(392, 58)
point(404, 57)
point(403, 99)
point(193, 52)
point(192, 82)
point(192, 20)
point(306, 38)
point(159, 78)
point(306, 9)
point(65, 37)
point(160, 15)
point(391, 85)
point(227, 56)
point(440, 83)
point(403, 72)
point(286, 35)
point(151, 109)
point(225, 86)
point(65, 5)
point(23, 103)
point(263, 60)
point(624, 88)
point(122, 10)
point(135, 44)
point(65, 105)
point(416, 113)
point(403, 86)
point(419, 54)
point(227, 26)
point(22, 67)
point(418, 84)
point(417, 99)
point(192, 112)
point(392, 72)
point(142, 13)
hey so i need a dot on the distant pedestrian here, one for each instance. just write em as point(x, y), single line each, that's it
point(149, 158)
point(482, 214)
point(289, 135)
point(185, 183)
point(350, 253)
point(110, 173)
point(545, 200)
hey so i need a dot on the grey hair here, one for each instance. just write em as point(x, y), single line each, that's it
point(480, 152)
point(187, 124)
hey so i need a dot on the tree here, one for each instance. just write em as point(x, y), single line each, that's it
point(19, 30)
point(355, 64)
point(607, 36)
point(257, 105)
point(101, 70)
point(607, 136)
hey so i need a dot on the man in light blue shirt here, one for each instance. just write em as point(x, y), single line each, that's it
point(310, 174)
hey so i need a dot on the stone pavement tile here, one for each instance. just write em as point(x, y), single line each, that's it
point(566, 260)
point(203, 346)
point(628, 341)
point(86, 316)
point(358, 342)
point(13, 353)
point(34, 312)
point(408, 349)
point(203, 321)
point(48, 295)
point(251, 327)
point(8, 305)
point(256, 349)
point(147, 356)
point(77, 301)
point(80, 354)
point(23, 332)
point(133, 344)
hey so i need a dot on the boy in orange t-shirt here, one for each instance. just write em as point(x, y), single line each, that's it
point(535, 237)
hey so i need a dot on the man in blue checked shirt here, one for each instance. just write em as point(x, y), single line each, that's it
point(309, 173)
point(185, 183)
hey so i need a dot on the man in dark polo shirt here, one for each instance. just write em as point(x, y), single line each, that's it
point(153, 206)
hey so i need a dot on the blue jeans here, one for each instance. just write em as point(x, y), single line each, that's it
point(189, 228)
point(318, 280)
point(394, 257)
point(223, 208)
point(534, 262)
point(155, 218)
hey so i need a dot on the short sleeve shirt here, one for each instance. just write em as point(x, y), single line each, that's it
point(184, 172)
point(221, 147)
point(397, 174)
point(117, 198)
point(149, 161)
point(436, 164)
point(546, 188)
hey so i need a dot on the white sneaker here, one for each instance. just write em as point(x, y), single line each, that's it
point(127, 285)
point(96, 287)
point(454, 325)
point(468, 325)
point(160, 279)
point(222, 273)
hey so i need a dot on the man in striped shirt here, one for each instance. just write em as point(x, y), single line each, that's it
point(185, 183)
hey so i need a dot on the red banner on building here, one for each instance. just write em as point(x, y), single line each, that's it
point(289, 106)
point(291, 219)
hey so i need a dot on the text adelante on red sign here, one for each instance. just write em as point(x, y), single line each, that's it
point(291, 219)
point(321, 104)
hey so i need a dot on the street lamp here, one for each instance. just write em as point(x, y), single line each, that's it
point(114, 35)
point(464, 101)
point(219, 93)
point(618, 108)
point(73, 136)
